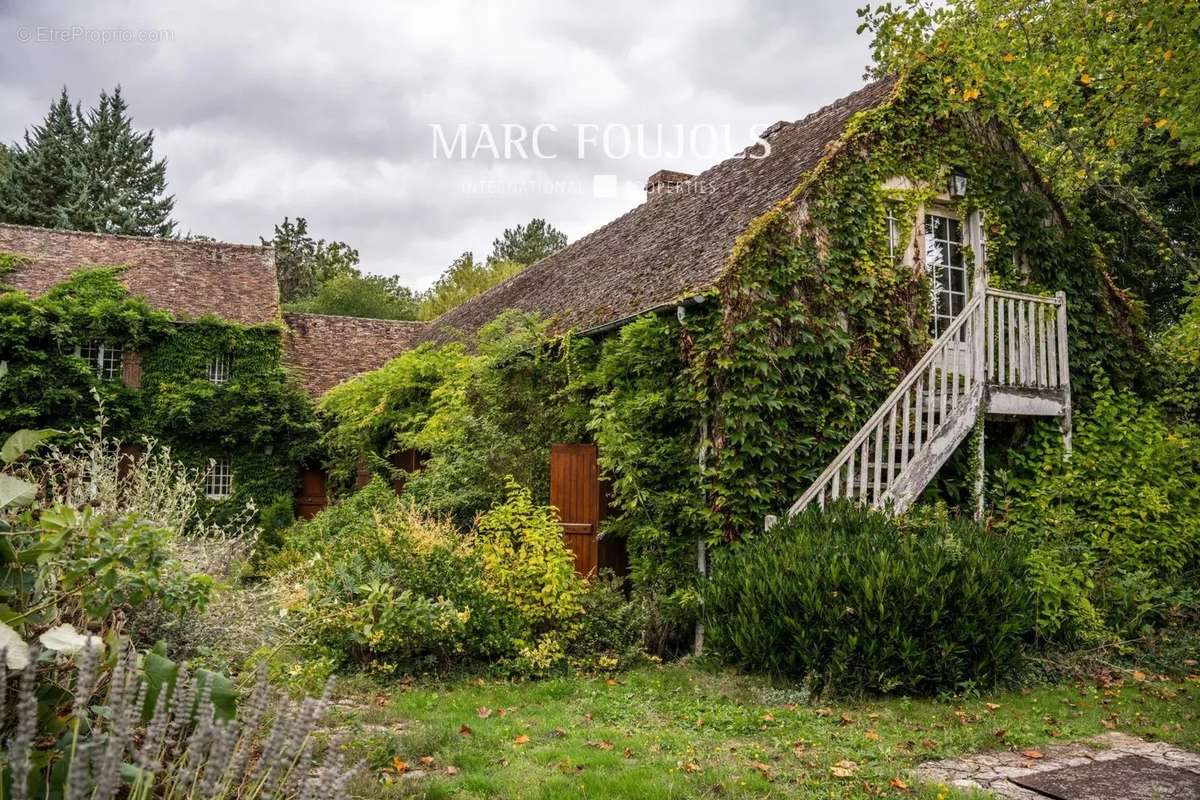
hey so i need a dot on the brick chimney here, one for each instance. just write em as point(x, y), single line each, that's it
point(665, 181)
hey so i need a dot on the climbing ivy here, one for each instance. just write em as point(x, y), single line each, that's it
point(258, 417)
point(711, 420)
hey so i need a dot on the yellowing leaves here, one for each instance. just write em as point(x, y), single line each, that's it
point(1161, 123)
point(1008, 58)
point(970, 94)
point(1085, 79)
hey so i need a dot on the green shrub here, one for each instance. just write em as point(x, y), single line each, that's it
point(857, 601)
point(611, 629)
point(376, 582)
point(1115, 529)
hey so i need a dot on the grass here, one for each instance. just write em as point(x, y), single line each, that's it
point(684, 731)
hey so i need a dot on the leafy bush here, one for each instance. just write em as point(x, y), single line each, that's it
point(611, 629)
point(374, 581)
point(1115, 528)
point(858, 601)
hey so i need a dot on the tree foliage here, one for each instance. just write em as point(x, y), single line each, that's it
point(357, 295)
point(91, 172)
point(1101, 93)
point(462, 280)
point(304, 264)
point(528, 243)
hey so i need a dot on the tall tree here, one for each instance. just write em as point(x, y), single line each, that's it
point(93, 173)
point(528, 243)
point(1102, 93)
point(304, 264)
point(41, 174)
point(121, 188)
point(462, 280)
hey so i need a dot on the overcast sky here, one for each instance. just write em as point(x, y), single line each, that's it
point(327, 110)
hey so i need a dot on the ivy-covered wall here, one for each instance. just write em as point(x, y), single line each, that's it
point(258, 418)
point(708, 421)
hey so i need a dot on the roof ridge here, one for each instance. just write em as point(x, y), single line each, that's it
point(352, 317)
point(164, 239)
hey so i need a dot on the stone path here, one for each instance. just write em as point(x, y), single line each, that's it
point(991, 771)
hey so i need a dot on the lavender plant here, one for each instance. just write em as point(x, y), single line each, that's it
point(168, 741)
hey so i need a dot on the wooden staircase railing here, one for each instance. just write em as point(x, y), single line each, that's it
point(1006, 344)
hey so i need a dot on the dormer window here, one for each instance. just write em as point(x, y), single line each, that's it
point(104, 359)
point(218, 369)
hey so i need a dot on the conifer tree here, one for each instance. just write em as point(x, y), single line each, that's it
point(39, 178)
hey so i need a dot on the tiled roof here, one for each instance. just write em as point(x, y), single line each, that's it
point(325, 350)
point(673, 245)
point(187, 279)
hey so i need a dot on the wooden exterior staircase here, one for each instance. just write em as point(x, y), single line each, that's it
point(1005, 354)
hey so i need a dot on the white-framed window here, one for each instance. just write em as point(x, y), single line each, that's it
point(104, 359)
point(218, 483)
point(947, 267)
point(218, 369)
point(895, 248)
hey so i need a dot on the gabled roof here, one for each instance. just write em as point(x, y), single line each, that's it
point(187, 279)
point(673, 245)
point(325, 350)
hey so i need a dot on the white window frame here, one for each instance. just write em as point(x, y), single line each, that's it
point(218, 481)
point(942, 275)
point(895, 248)
point(218, 369)
point(106, 360)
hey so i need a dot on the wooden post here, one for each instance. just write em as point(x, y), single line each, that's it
point(1064, 373)
point(980, 472)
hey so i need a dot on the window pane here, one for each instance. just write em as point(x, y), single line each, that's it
point(955, 230)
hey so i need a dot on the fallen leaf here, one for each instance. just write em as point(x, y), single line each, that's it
point(613, 682)
point(484, 712)
point(899, 784)
point(768, 717)
point(399, 765)
point(603, 744)
point(846, 719)
point(844, 769)
point(451, 770)
point(824, 712)
point(761, 767)
point(999, 733)
point(872, 734)
point(559, 733)
point(522, 739)
point(628, 753)
point(503, 712)
point(691, 766)
point(1139, 676)
point(1034, 754)
point(991, 706)
point(929, 744)
point(792, 706)
point(465, 730)
point(426, 761)
point(587, 717)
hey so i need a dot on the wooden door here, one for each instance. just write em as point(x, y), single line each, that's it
point(312, 497)
point(578, 493)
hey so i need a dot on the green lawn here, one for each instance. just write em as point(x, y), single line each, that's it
point(680, 731)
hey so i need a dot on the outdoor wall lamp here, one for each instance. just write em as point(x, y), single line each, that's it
point(958, 184)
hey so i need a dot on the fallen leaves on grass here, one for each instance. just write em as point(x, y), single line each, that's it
point(465, 730)
point(843, 769)
point(691, 767)
point(484, 712)
point(426, 761)
point(399, 765)
point(521, 739)
point(602, 744)
point(872, 734)
point(898, 784)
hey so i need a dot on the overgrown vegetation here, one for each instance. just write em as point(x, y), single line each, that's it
point(855, 601)
point(376, 583)
point(1115, 528)
point(258, 417)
